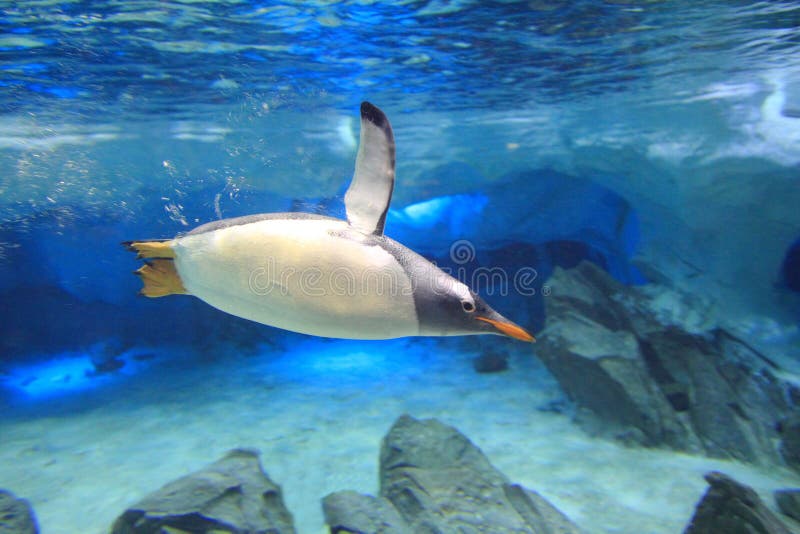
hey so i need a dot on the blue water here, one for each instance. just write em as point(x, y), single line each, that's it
point(657, 139)
point(140, 58)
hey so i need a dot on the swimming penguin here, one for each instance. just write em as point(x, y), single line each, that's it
point(320, 275)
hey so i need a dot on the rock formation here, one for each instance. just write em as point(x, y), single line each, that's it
point(642, 368)
point(433, 479)
point(788, 501)
point(232, 495)
point(732, 508)
point(16, 515)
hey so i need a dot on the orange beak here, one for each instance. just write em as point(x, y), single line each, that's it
point(509, 329)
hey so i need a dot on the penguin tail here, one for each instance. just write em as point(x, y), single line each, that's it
point(157, 248)
point(160, 278)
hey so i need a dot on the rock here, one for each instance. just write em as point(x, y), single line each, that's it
point(788, 501)
point(539, 515)
point(348, 511)
point(602, 370)
point(732, 508)
point(433, 479)
point(649, 377)
point(440, 482)
point(16, 515)
point(490, 362)
point(232, 495)
point(105, 357)
point(725, 423)
point(790, 440)
point(107, 365)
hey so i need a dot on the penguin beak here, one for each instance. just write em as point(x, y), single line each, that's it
point(506, 327)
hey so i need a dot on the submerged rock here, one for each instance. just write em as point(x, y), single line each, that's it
point(790, 440)
point(232, 495)
point(16, 515)
point(490, 362)
point(732, 508)
point(105, 357)
point(788, 501)
point(433, 479)
point(348, 511)
point(648, 378)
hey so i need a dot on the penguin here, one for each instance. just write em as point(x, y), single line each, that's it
point(320, 275)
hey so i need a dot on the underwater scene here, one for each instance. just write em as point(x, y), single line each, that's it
point(429, 266)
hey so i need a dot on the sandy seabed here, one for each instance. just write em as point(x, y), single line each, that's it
point(317, 410)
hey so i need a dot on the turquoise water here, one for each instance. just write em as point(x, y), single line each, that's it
point(659, 140)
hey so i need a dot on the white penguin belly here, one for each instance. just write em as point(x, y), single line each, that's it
point(300, 275)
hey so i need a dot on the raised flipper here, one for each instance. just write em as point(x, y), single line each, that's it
point(150, 249)
point(367, 199)
point(160, 278)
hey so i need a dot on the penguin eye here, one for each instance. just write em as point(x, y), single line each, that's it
point(468, 306)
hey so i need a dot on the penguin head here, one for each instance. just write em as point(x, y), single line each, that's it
point(450, 308)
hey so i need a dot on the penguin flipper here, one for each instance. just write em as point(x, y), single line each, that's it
point(367, 199)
